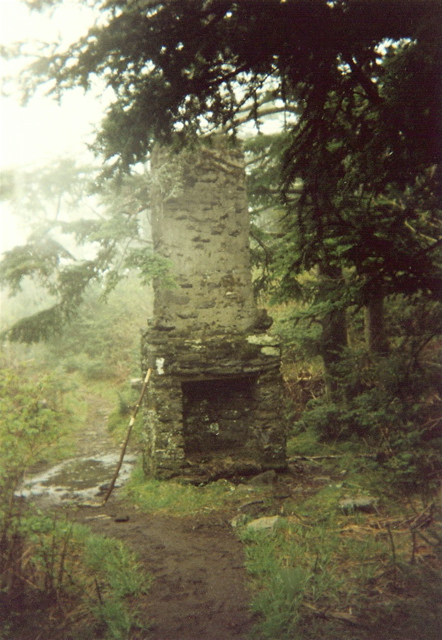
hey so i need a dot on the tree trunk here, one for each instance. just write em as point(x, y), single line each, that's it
point(375, 333)
point(334, 332)
point(333, 343)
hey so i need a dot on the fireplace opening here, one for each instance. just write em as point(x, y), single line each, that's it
point(218, 415)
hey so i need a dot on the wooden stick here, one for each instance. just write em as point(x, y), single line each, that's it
point(337, 615)
point(330, 457)
point(129, 431)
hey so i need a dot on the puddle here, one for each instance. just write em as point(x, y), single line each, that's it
point(79, 479)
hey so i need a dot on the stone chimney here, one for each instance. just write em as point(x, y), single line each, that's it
point(214, 404)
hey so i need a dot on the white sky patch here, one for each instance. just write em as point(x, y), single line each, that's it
point(70, 20)
point(43, 130)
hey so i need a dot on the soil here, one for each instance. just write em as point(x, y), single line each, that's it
point(95, 438)
point(199, 590)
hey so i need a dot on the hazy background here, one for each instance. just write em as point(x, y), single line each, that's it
point(34, 134)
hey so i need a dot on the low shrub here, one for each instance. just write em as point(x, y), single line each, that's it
point(76, 584)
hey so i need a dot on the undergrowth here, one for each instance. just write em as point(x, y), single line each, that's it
point(175, 498)
point(326, 573)
point(78, 585)
point(342, 580)
point(54, 576)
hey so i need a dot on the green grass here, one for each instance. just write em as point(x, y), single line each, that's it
point(59, 570)
point(176, 498)
point(323, 574)
point(80, 580)
point(309, 565)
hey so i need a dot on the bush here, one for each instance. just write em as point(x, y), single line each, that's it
point(392, 405)
point(31, 420)
point(32, 416)
point(80, 583)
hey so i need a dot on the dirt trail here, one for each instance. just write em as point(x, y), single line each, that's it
point(199, 590)
point(94, 438)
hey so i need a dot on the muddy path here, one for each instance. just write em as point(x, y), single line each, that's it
point(85, 475)
point(199, 589)
point(95, 438)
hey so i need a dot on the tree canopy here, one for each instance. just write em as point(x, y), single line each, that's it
point(358, 166)
point(187, 66)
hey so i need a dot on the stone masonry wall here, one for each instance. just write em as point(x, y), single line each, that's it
point(215, 398)
point(200, 221)
point(249, 430)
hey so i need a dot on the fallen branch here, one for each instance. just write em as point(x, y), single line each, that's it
point(336, 615)
point(423, 519)
point(331, 457)
point(129, 431)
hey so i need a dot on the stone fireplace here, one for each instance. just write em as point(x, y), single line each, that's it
point(214, 403)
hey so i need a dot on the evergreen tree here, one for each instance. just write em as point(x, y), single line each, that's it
point(75, 240)
point(359, 82)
